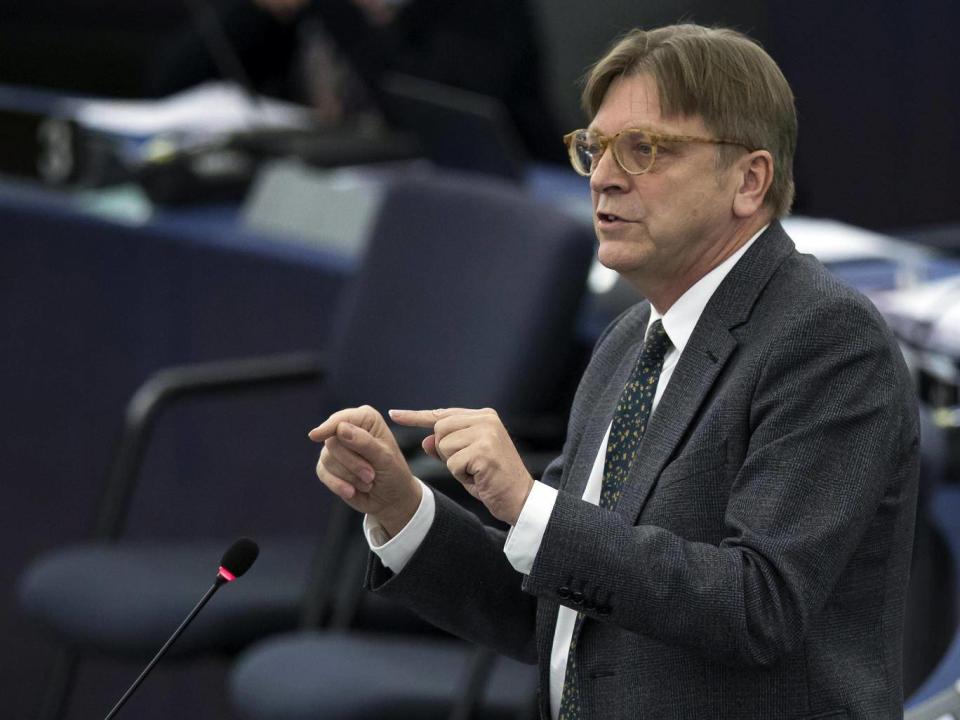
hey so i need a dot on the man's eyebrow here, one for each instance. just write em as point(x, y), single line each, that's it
point(658, 131)
point(645, 128)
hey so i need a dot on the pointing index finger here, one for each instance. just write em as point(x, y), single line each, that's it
point(424, 418)
point(362, 417)
point(416, 418)
point(323, 431)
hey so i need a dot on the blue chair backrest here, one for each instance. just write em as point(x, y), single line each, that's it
point(467, 296)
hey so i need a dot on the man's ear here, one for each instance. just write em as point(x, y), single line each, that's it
point(754, 175)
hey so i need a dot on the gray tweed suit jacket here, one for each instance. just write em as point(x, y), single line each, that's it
point(756, 563)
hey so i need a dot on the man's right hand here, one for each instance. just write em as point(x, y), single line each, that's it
point(362, 464)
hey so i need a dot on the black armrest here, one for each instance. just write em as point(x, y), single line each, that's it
point(170, 384)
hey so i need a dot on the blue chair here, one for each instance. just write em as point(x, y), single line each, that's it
point(938, 696)
point(467, 295)
point(939, 373)
point(943, 706)
point(356, 676)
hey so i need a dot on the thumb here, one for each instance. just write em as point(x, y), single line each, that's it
point(429, 446)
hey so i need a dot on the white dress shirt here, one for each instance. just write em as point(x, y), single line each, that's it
point(523, 540)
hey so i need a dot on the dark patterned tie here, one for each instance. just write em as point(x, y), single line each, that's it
point(629, 424)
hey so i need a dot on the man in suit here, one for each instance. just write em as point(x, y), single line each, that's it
point(727, 533)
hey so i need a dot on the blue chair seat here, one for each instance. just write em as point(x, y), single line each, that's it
point(354, 677)
point(149, 585)
point(937, 688)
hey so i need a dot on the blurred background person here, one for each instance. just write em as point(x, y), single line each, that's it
point(334, 55)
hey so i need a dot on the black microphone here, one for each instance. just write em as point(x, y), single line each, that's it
point(235, 562)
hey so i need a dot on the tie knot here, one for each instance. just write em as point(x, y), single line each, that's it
point(658, 342)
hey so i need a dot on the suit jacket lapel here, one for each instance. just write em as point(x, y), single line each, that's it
point(702, 359)
point(601, 414)
point(704, 356)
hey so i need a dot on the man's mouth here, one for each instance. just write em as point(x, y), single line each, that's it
point(607, 218)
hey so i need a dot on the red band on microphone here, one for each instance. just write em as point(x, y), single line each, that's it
point(226, 574)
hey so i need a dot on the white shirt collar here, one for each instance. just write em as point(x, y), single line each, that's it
point(682, 317)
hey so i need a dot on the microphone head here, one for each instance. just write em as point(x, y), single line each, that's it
point(239, 557)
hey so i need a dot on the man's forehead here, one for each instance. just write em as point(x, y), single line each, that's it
point(630, 100)
point(642, 93)
point(634, 101)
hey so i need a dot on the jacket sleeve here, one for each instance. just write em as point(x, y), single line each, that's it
point(460, 580)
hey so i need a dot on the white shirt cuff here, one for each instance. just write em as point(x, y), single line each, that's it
point(524, 538)
point(395, 552)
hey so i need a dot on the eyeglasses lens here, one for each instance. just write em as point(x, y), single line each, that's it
point(634, 151)
point(585, 149)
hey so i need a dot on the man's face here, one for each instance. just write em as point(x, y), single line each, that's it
point(668, 225)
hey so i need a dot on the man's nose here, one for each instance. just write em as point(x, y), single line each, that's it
point(608, 175)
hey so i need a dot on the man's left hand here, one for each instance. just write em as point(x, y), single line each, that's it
point(478, 452)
